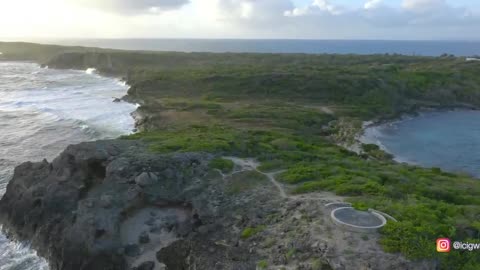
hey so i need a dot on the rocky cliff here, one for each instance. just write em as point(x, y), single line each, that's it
point(113, 205)
point(75, 60)
point(117, 205)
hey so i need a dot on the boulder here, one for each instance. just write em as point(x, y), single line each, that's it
point(146, 266)
point(132, 250)
point(72, 208)
point(102, 205)
point(146, 179)
point(144, 238)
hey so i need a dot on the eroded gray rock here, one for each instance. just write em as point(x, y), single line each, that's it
point(146, 266)
point(146, 179)
point(104, 205)
point(133, 250)
point(73, 208)
point(144, 238)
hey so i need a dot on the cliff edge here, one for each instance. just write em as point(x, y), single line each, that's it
point(116, 205)
point(113, 205)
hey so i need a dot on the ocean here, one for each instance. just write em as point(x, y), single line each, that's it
point(44, 110)
point(41, 112)
point(425, 48)
point(447, 140)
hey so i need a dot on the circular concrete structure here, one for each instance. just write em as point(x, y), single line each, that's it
point(359, 221)
point(334, 205)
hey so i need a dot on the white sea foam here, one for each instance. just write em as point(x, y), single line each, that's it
point(91, 70)
point(372, 134)
point(16, 255)
point(41, 112)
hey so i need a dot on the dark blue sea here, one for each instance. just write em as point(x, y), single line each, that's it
point(426, 48)
point(448, 140)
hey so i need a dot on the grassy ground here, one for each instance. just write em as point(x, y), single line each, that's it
point(428, 203)
point(281, 120)
point(289, 110)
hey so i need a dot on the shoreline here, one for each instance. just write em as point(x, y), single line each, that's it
point(225, 97)
point(13, 242)
point(136, 115)
point(367, 135)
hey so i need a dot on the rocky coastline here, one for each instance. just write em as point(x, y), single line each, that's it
point(76, 210)
point(361, 137)
point(118, 205)
point(115, 205)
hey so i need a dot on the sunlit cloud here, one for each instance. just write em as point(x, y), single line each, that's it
point(326, 19)
point(131, 7)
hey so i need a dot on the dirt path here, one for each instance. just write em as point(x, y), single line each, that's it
point(307, 219)
point(271, 177)
point(252, 165)
point(326, 110)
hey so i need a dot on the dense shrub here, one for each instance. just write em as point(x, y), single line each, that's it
point(222, 164)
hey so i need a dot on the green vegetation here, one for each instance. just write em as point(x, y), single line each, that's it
point(224, 165)
point(263, 112)
point(428, 203)
point(262, 264)
point(361, 86)
point(374, 151)
point(318, 264)
point(291, 252)
point(245, 181)
point(269, 242)
point(249, 231)
point(359, 205)
point(34, 52)
point(288, 110)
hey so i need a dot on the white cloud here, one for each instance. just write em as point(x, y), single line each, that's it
point(375, 19)
point(132, 6)
point(252, 12)
point(423, 5)
point(325, 5)
point(413, 19)
point(316, 7)
point(373, 4)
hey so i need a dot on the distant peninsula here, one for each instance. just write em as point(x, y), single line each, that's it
point(238, 160)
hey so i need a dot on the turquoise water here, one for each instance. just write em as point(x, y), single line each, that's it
point(448, 140)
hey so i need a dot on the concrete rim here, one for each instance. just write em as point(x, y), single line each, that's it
point(356, 227)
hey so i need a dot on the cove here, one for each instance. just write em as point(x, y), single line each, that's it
point(449, 140)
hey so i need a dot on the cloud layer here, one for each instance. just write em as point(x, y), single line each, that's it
point(326, 18)
point(376, 12)
point(133, 7)
point(308, 19)
point(320, 13)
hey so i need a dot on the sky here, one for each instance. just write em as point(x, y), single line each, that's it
point(289, 19)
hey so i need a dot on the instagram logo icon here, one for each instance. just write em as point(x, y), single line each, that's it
point(443, 245)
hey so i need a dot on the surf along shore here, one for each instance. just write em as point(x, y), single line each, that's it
point(199, 107)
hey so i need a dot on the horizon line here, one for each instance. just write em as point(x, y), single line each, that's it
point(29, 39)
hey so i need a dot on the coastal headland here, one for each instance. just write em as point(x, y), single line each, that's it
point(235, 159)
